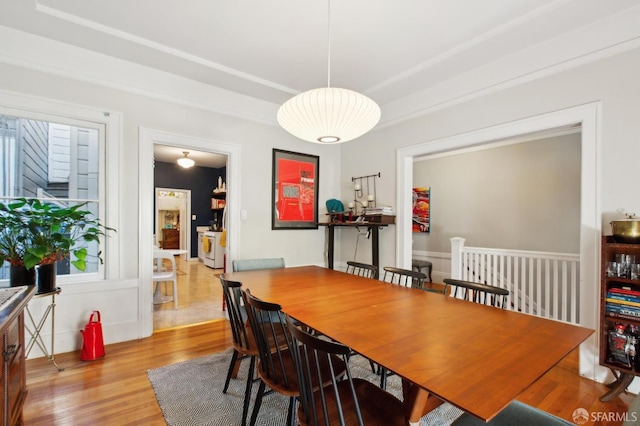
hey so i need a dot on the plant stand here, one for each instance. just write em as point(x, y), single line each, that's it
point(34, 329)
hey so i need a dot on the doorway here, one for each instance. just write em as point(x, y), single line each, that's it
point(585, 116)
point(149, 138)
point(172, 213)
point(183, 211)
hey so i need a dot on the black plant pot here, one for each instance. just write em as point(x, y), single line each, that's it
point(19, 275)
point(46, 278)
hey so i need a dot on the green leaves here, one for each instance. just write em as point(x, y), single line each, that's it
point(33, 232)
point(81, 256)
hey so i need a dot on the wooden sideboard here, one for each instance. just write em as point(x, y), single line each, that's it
point(170, 238)
point(14, 373)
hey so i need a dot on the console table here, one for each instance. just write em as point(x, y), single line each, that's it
point(374, 228)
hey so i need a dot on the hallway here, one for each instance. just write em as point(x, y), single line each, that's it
point(199, 297)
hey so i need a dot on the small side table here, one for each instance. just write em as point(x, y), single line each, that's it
point(34, 329)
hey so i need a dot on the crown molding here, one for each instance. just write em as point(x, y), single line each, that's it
point(74, 19)
point(610, 36)
point(44, 55)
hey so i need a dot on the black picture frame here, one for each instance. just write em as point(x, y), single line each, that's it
point(294, 190)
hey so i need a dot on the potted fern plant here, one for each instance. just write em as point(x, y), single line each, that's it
point(44, 233)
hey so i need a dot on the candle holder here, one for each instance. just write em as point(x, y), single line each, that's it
point(355, 208)
point(364, 188)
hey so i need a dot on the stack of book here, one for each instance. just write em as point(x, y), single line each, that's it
point(382, 215)
point(379, 210)
point(623, 303)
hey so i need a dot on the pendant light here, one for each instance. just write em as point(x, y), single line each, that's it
point(185, 161)
point(328, 115)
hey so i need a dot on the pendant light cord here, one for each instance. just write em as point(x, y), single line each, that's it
point(328, 43)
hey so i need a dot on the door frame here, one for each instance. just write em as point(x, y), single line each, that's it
point(147, 138)
point(589, 118)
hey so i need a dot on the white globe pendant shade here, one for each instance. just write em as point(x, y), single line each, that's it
point(328, 115)
point(185, 161)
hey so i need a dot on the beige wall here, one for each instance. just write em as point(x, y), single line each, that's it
point(524, 196)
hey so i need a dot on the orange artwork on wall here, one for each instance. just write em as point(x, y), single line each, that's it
point(421, 209)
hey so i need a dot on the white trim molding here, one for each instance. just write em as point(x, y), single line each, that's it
point(147, 139)
point(45, 109)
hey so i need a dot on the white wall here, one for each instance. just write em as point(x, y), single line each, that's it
point(612, 81)
point(118, 299)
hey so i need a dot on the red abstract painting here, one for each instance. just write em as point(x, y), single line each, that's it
point(295, 190)
point(421, 209)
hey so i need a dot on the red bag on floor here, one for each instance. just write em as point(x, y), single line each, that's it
point(93, 344)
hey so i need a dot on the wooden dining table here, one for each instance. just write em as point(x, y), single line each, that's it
point(476, 357)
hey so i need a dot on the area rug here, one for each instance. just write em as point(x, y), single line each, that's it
point(190, 393)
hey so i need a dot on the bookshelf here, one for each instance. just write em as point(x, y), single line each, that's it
point(619, 314)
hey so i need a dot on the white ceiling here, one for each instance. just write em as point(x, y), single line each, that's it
point(410, 56)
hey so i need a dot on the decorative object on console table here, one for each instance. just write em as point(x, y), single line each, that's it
point(364, 192)
point(379, 215)
point(421, 209)
point(295, 190)
point(619, 314)
point(336, 211)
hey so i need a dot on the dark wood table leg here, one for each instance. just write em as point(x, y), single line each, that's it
point(330, 229)
point(375, 250)
point(621, 383)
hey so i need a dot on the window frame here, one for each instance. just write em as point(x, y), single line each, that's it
point(109, 130)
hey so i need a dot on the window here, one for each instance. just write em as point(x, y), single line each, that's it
point(57, 160)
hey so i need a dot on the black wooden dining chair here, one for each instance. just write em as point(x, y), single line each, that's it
point(368, 271)
point(476, 292)
point(362, 269)
point(331, 397)
point(404, 277)
point(239, 265)
point(276, 367)
point(244, 343)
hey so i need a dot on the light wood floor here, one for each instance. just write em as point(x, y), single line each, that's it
point(199, 297)
point(116, 390)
